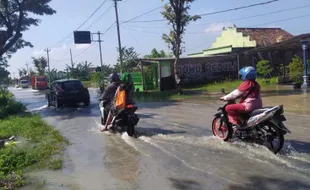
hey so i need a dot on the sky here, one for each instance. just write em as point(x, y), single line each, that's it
point(56, 32)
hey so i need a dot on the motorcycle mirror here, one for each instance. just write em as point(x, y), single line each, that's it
point(223, 90)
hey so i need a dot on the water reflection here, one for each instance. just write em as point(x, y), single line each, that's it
point(294, 100)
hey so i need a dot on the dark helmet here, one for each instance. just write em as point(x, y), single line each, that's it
point(114, 77)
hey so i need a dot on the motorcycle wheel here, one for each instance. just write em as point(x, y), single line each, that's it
point(271, 133)
point(224, 132)
point(131, 130)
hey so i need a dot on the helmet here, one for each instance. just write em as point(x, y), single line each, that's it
point(248, 73)
point(114, 77)
point(126, 78)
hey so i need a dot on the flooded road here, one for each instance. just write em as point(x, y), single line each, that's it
point(175, 150)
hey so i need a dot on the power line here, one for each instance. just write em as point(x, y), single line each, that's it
point(108, 28)
point(217, 12)
point(83, 22)
point(258, 15)
point(276, 21)
point(238, 8)
point(134, 18)
point(106, 11)
point(92, 45)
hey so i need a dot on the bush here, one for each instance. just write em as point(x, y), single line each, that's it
point(38, 143)
point(296, 70)
point(8, 105)
point(264, 68)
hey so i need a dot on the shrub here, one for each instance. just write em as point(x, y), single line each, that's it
point(8, 105)
point(296, 70)
point(264, 68)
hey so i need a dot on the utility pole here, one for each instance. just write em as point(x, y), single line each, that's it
point(27, 68)
point(71, 57)
point(118, 34)
point(100, 51)
point(48, 63)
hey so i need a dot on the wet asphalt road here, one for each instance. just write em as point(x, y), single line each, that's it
point(175, 150)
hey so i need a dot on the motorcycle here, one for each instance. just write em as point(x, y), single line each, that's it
point(121, 120)
point(261, 126)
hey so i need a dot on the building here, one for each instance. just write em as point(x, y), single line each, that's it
point(92, 69)
point(235, 40)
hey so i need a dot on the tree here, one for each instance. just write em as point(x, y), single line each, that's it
point(4, 74)
point(296, 70)
point(130, 57)
point(264, 68)
point(16, 17)
point(40, 64)
point(176, 12)
point(156, 54)
point(22, 72)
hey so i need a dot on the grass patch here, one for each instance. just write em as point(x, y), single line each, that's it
point(37, 143)
point(231, 85)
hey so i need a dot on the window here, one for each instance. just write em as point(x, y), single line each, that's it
point(72, 84)
point(24, 81)
point(41, 79)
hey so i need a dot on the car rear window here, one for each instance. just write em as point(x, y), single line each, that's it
point(72, 84)
point(24, 82)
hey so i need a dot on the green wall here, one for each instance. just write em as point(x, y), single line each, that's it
point(224, 43)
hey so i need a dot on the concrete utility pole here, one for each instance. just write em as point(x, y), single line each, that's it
point(48, 63)
point(99, 41)
point(27, 68)
point(100, 51)
point(118, 33)
point(71, 57)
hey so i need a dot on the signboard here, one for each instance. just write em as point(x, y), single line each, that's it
point(82, 37)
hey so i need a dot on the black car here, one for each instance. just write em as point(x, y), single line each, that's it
point(65, 92)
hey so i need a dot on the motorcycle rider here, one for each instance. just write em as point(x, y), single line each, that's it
point(128, 86)
point(108, 95)
point(249, 91)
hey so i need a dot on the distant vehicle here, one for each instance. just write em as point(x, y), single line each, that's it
point(24, 83)
point(65, 92)
point(39, 82)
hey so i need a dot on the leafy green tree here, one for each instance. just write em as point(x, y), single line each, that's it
point(130, 57)
point(296, 70)
point(22, 72)
point(176, 13)
point(156, 54)
point(264, 68)
point(4, 74)
point(40, 64)
point(16, 17)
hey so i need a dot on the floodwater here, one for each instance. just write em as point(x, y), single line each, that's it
point(175, 150)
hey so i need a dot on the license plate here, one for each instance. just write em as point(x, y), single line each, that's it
point(74, 91)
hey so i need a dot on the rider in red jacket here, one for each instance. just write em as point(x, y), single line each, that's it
point(248, 91)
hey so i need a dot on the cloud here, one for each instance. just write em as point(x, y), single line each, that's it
point(216, 28)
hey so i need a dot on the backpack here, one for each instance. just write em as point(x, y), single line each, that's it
point(120, 98)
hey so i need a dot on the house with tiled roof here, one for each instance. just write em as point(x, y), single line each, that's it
point(233, 39)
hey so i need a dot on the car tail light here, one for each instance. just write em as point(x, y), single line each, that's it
point(59, 90)
point(130, 106)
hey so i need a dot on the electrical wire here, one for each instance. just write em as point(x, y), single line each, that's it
point(134, 18)
point(106, 11)
point(217, 12)
point(94, 12)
